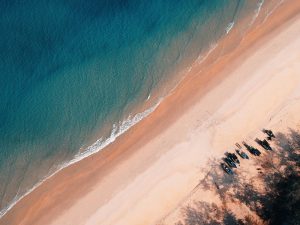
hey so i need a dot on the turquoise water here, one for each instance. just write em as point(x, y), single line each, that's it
point(71, 71)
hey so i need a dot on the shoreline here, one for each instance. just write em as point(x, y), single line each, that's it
point(109, 157)
point(95, 145)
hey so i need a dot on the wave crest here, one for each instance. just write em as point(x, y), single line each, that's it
point(100, 144)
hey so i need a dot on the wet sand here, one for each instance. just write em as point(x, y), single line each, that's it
point(150, 170)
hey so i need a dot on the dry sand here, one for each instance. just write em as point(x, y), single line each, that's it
point(150, 170)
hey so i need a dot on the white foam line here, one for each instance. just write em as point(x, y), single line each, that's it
point(229, 27)
point(202, 58)
point(257, 11)
point(119, 129)
point(94, 148)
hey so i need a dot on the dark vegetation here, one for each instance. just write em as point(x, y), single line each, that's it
point(279, 204)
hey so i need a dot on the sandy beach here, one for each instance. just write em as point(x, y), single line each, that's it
point(147, 173)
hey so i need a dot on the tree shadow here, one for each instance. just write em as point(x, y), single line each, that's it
point(279, 203)
point(206, 213)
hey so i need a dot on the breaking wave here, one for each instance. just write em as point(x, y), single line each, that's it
point(118, 130)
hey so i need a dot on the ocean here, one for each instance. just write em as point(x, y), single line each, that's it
point(76, 74)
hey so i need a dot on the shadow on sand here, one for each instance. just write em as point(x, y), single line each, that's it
point(279, 203)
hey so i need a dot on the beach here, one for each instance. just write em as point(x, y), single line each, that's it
point(147, 172)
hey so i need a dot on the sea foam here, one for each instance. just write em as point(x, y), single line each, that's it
point(229, 27)
point(118, 130)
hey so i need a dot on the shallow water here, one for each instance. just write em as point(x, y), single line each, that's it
point(72, 71)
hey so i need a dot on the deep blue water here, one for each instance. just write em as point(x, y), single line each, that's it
point(70, 69)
